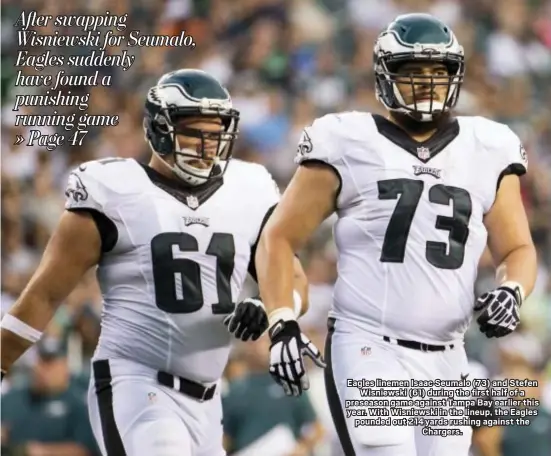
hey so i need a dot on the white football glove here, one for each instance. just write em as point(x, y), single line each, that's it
point(287, 351)
point(500, 310)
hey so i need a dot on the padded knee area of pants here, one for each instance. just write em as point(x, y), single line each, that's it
point(153, 434)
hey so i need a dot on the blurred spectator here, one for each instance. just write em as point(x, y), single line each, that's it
point(257, 412)
point(533, 439)
point(486, 439)
point(47, 417)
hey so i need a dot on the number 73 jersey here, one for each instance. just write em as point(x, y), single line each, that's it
point(410, 230)
point(174, 262)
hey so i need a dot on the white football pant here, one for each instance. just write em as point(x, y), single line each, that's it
point(355, 354)
point(133, 415)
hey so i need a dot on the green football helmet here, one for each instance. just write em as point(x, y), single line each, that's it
point(190, 93)
point(417, 38)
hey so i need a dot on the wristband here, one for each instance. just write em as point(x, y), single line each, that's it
point(517, 289)
point(20, 328)
point(298, 303)
point(283, 313)
point(286, 313)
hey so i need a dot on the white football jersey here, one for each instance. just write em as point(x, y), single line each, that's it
point(177, 266)
point(410, 229)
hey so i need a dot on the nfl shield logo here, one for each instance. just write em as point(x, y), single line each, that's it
point(192, 202)
point(423, 153)
point(366, 351)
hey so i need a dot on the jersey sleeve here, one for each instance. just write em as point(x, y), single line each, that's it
point(513, 157)
point(325, 142)
point(313, 144)
point(501, 153)
point(267, 196)
point(84, 191)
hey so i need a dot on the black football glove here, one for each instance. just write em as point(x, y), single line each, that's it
point(500, 310)
point(248, 321)
point(289, 345)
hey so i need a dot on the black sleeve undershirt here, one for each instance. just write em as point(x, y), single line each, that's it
point(107, 229)
point(252, 266)
point(514, 168)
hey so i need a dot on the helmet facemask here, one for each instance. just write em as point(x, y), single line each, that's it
point(207, 156)
point(389, 78)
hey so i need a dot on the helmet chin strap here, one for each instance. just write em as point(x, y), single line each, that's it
point(185, 172)
point(188, 173)
point(412, 110)
point(426, 116)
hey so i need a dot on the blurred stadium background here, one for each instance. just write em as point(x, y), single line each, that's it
point(285, 62)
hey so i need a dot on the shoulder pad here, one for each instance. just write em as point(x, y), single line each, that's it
point(324, 140)
point(256, 178)
point(502, 143)
point(93, 184)
point(316, 140)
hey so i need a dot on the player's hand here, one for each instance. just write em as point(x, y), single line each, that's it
point(500, 311)
point(248, 321)
point(287, 351)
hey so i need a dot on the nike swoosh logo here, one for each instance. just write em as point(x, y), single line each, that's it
point(464, 377)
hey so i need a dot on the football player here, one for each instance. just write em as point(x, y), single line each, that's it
point(418, 194)
point(173, 241)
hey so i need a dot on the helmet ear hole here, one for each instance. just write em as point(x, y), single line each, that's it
point(158, 134)
point(160, 124)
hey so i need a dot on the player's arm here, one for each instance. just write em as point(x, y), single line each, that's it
point(72, 250)
point(309, 199)
point(510, 241)
point(300, 293)
point(306, 203)
point(249, 319)
point(510, 244)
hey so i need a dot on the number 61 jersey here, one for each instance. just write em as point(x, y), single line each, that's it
point(173, 263)
point(410, 230)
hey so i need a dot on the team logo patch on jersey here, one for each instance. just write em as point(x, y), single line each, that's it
point(423, 153)
point(523, 154)
point(304, 146)
point(192, 220)
point(76, 189)
point(417, 170)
